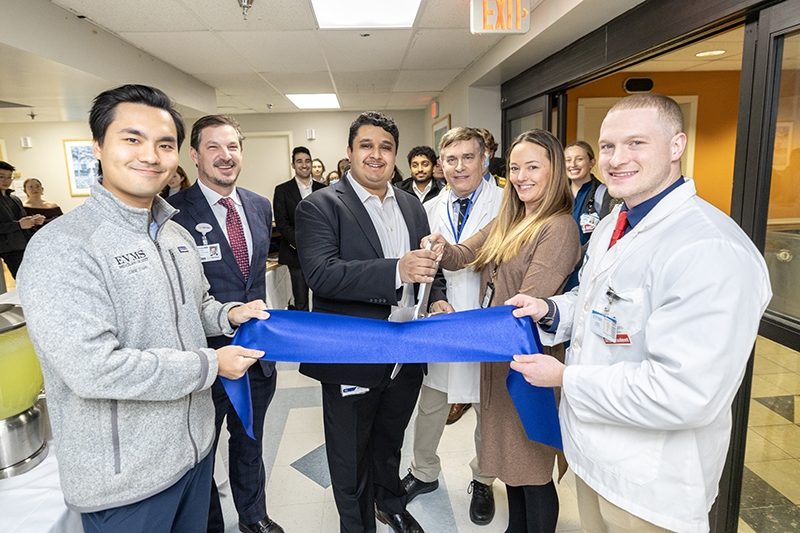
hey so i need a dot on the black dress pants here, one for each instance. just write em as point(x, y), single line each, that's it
point(363, 438)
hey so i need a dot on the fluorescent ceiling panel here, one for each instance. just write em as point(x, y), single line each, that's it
point(337, 14)
point(314, 101)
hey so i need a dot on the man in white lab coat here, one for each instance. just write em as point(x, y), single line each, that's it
point(458, 213)
point(662, 324)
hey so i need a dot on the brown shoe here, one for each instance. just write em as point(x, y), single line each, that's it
point(456, 412)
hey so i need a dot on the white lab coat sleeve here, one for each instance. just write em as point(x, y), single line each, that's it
point(705, 305)
point(566, 311)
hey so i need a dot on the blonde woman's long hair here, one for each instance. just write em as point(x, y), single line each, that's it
point(512, 228)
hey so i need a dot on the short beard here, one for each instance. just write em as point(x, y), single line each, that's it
point(428, 178)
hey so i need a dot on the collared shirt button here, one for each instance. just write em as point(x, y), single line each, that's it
point(586, 307)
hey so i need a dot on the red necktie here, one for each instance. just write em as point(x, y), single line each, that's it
point(236, 236)
point(619, 229)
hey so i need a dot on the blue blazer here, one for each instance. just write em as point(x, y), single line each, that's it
point(225, 277)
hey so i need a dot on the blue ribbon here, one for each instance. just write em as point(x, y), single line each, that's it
point(492, 334)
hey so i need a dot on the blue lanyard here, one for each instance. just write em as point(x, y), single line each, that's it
point(457, 235)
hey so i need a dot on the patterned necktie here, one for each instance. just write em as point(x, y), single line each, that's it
point(619, 229)
point(462, 212)
point(236, 236)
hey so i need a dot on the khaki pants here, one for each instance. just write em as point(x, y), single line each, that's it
point(428, 429)
point(598, 515)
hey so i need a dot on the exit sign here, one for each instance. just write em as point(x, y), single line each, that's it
point(501, 16)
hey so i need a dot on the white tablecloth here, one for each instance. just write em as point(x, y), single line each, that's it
point(279, 286)
point(33, 502)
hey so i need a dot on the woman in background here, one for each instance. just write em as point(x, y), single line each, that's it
point(530, 248)
point(333, 177)
point(318, 170)
point(343, 166)
point(176, 183)
point(36, 205)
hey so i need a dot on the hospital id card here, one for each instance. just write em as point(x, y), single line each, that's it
point(605, 326)
point(209, 252)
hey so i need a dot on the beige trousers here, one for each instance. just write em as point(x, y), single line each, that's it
point(428, 429)
point(598, 515)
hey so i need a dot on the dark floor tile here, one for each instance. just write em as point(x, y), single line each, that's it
point(783, 405)
point(781, 519)
point(314, 465)
point(758, 494)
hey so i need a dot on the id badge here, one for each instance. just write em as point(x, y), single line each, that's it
point(605, 326)
point(209, 252)
point(488, 295)
point(353, 390)
point(589, 222)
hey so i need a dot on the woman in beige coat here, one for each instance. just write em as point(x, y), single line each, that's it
point(530, 248)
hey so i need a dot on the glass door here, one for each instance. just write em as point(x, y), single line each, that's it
point(532, 114)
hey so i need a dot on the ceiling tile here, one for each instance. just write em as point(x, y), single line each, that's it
point(375, 81)
point(446, 14)
point(434, 49)
point(424, 80)
point(265, 15)
point(153, 15)
point(199, 51)
point(300, 82)
point(717, 65)
point(289, 51)
point(246, 84)
point(347, 51)
point(363, 102)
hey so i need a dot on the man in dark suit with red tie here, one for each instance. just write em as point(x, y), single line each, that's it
point(232, 228)
point(358, 242)
point(287, 196)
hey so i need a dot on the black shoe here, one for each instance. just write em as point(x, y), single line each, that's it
point(414, 487)
point(400, 523)
point(481, 508)
point(265, 525)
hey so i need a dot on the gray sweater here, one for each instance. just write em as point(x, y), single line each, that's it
point(119, 322)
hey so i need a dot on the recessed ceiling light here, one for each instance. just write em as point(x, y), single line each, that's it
point(314, 101)
point(710, 53)
point(336, 14)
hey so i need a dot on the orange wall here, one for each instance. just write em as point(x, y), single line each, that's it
point(718, 101)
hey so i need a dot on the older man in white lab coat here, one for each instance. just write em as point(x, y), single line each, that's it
point(662, 324)
point(458, 213)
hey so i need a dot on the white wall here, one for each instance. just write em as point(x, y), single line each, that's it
point(46, 160)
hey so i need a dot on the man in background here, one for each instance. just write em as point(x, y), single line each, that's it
point(421, 161)
point(287, 196)
point(15, 224)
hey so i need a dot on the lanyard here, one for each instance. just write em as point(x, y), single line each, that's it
point(457, 235)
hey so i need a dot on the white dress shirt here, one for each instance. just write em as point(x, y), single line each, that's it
point(391, 229)
point(305, 190)
point(421, 194)
point(221, 213)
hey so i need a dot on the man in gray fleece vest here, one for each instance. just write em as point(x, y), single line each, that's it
point(118, 310)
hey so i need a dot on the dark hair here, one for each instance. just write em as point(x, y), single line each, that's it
point(103, 110)
point(7, 166)
point(374, 118)
point(212, 121)
point(488, 139)
point(185, 183)
point(427, 151)
point(300, 150)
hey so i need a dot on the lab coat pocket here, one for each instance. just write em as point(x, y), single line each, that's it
point(633, 454)
point(627, 308)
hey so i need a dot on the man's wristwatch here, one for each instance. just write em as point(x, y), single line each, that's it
point(551, 312)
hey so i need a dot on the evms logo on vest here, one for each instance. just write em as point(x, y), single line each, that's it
point(131, 259)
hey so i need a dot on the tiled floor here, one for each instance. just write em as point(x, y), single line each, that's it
point(771, 484)
point(299, 496)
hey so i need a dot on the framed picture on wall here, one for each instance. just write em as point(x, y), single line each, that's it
point(81, 166)
point(440, 127)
